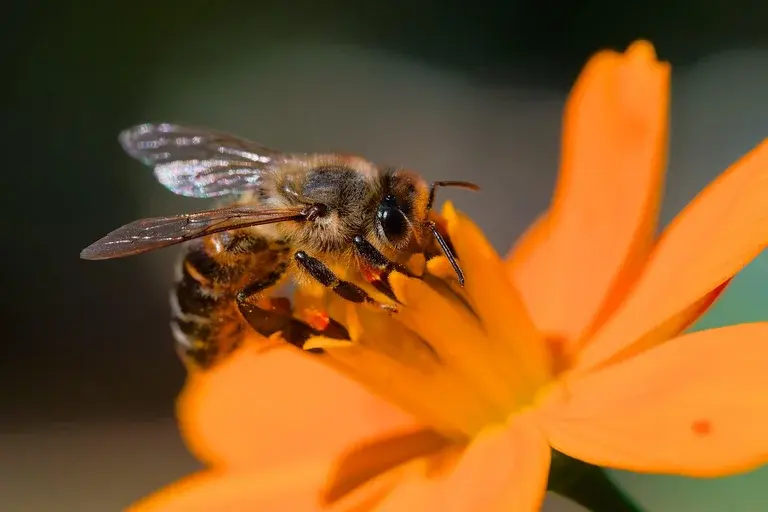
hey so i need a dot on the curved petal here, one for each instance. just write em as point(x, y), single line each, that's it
point(669, 328)
point(261, 409)
point(523, 258)
point(395, 363)
point(718, 234)
point(503, 469)
point(576, 262)
point(503, 313)
point(296, 488)
point(368, 466)
point(697, 405)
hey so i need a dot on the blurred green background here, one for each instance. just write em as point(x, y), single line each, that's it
point(457, 90)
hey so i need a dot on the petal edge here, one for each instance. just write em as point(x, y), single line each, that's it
point(697, 406)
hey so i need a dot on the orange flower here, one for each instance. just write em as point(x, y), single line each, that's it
point(573, 343)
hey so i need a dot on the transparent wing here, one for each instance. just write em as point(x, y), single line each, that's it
point(158, 232)
point(197, 162)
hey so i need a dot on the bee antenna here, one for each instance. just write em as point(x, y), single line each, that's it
point(436, 233)
point(448, 252)
point(461, 184)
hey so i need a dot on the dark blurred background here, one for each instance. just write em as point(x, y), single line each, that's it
point(453, 89)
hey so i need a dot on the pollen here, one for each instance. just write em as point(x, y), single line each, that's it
point(317, 319)
point(370, 274)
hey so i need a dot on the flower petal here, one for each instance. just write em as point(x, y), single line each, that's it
point(261, 409)
point(355, 481)
point(575, 263)
point(718, 234)
point(697, 405)
point(422, 372)
point(516, 343)
point(529, 254)
point(234, 492)
point(669, 328)
point(295, 487)
point(505, 468)
point(354, 472)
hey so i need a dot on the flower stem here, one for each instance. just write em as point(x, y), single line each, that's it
point(587, 485)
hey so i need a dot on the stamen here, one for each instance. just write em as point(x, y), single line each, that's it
point(448, 385)
point(450, 356)
point(464, 352)
point(511, 336)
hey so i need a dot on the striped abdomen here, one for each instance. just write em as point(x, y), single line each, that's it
point(206, 322)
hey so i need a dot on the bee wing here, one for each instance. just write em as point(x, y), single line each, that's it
point(197, 162)
point(158, 232)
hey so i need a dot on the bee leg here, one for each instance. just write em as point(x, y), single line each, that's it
point(381, 264)
point(270, 317)
point(344, 289)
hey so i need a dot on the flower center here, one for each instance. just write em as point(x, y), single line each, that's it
point(435, 358)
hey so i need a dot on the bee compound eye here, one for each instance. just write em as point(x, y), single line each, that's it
point(393, 223)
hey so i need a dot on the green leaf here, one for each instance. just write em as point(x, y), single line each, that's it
point(587, 485)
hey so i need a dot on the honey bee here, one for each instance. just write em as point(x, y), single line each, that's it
point(286, 214)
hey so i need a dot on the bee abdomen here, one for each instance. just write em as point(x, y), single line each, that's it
point(204, 321)
point(194, 294)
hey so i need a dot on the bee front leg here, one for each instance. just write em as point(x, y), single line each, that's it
point(381, 264)
point(344, 289)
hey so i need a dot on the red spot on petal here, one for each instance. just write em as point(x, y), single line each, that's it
point(701, 427)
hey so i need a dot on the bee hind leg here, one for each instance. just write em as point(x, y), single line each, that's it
point(344, 289)
point(275, 316)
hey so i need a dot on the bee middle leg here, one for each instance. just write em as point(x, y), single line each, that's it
point(344, 289)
